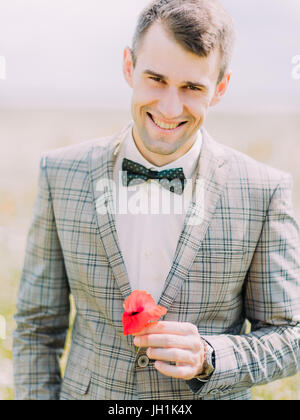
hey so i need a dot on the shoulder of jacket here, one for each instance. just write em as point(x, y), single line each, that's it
point(248, 169)
point(76, 152)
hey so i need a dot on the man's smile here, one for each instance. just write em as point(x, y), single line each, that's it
point(165, 126)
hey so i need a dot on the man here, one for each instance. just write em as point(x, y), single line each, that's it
point(231, 255)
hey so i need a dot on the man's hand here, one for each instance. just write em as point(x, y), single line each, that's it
point(177, 342)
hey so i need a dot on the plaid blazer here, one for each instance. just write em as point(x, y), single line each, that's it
point(241, 263)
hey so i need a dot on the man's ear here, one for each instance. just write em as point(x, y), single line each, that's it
point(221, 89)
point(128, 66)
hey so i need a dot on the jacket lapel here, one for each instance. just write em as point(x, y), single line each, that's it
point(101, 161)
point(210, 179)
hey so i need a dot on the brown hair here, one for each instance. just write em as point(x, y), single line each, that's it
point(199, 26)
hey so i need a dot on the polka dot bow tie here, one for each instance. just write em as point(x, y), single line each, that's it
point(173, 180)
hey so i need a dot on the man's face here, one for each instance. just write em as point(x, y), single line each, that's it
point(172, 91)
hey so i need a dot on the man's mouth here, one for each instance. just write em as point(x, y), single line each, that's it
point(163, 125)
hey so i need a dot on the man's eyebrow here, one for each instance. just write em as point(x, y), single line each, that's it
point(153, 73)
point(161, 76)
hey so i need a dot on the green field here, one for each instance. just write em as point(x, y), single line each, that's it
point(27, 134)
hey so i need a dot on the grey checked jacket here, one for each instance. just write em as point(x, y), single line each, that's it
point(241, 263)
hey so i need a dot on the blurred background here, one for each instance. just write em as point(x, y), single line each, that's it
point(61, 83)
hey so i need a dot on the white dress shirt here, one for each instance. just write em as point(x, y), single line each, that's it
point(149, 218)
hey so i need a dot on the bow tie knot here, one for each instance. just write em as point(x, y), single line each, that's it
point(173, 180)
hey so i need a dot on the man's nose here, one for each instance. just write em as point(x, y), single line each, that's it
point(170, 105)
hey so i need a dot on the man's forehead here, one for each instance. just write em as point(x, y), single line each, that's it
point(158, 37)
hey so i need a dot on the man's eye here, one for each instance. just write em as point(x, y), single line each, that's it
point(194, 88)
point(156, 79)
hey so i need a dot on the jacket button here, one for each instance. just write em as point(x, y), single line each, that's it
point(143, 361)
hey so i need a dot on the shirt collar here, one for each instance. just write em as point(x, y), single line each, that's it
point(188, 161)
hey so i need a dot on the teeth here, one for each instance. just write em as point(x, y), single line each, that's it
point(163, 125)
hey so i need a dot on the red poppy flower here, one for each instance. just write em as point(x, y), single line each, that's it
point(140, 309)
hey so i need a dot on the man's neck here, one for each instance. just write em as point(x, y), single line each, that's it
point(159, 159)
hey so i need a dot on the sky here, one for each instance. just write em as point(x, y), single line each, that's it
point(68, 53)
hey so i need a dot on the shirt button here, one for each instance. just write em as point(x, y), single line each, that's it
point(143, 361)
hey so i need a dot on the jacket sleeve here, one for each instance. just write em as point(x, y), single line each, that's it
point(271, 303)
point(43, 307)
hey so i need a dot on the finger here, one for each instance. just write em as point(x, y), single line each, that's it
point(181, 372)
point(169, 327)
point(165, 340)
point(173, 355)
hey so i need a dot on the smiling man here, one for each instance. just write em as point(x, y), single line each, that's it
point(240, 263)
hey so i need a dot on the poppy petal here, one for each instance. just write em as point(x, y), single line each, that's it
point(140, 308)
point(156, 312)
point(134, 323)
point(136, 299)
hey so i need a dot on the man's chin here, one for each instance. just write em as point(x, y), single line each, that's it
point(160, 146)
